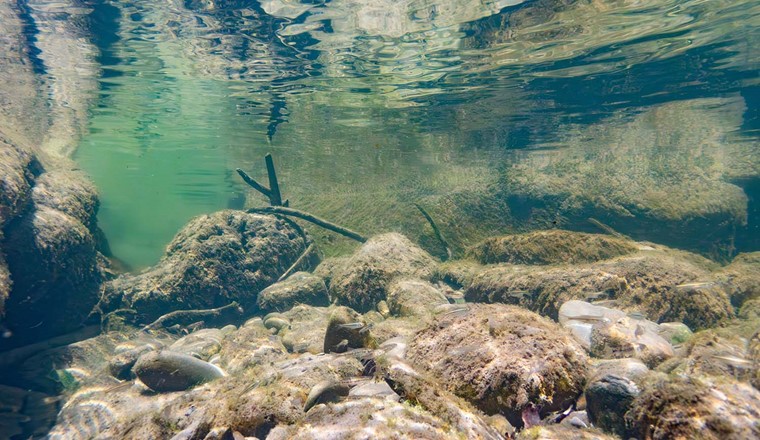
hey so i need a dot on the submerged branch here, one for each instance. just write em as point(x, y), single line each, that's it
point(273, 192)
point(282, 210)
point(436, 231)
point(607, 229)
point(193, 314)
point(295, 265)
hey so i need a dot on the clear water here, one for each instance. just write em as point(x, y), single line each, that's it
point(368, 106)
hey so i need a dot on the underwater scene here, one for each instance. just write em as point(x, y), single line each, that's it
point(379, 219)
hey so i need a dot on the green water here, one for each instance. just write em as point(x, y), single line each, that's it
point(369, 108)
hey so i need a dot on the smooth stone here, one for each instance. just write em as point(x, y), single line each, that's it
point(374, 389)
point(165, 371)
point(608, 399)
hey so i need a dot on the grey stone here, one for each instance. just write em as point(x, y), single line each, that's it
point(165, 371)
point(608, 399)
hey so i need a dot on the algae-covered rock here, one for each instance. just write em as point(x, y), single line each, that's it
point(419, 388)
point(164, 371)
point(742, 278)
point(53, 262)
point(650, 282)
point(551, 247)
point(214, 260)
point(457, 273)
point(414, 298)
point(367, 418)
point(713, 353)
point(18, 171)
point(501, 359)
point(562, 432)
point(299, 288)
point(364, 279)
point(692, 407)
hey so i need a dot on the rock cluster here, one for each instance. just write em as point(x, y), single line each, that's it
point(416, 353)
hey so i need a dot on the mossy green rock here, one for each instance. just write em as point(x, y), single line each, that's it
point(165, 371)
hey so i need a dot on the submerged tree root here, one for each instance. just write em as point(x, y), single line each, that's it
point(190, 315)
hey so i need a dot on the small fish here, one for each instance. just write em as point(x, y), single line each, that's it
point(587, 318)
point(638, 316)
point(520, 294)
point(733, 360)
point(594, 296)
point(451, 309)
point(119, 386)
point(696, 285)
point(611, 303)
point(639, 331)
point(352, 326)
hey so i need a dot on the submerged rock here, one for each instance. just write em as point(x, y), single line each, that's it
point(608, 399)
point(646, 282)
point(53, 259)
point(742, 278)
point(562, 432)
point(346, 329)
point(214, 260)
point(365, 277)
point(501, 359)
point(165, 371)
point(306, 332)
point(414, 298)
point(691, 407)
point(299, 288)
point(551, 247)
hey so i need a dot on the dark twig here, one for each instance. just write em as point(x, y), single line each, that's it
point(273, 192)
point(194, 314)
point(295, 265)
point(436, 231)
point(275, 198)
point(283, 210)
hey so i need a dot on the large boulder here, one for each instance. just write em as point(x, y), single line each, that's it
point(692, 407)
point(18, 169)
point(364, 279)
point(502, 359)
point(53, 258)
point(214, 260)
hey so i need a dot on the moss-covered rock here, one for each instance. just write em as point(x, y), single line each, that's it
point(551, 247)
point(364, 279)
point(742, 278)
point(562, 432)
point(655, 282)
point(502, 358)
point(414, 298)
point(214, 260)
point(692, 407)
point(299, 288)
